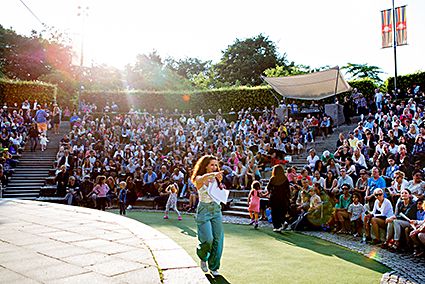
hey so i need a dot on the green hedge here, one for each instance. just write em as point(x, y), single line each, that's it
point(12, 91)
point(225, 99)
point(406, 81)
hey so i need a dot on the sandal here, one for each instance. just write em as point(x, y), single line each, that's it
point(395, 246)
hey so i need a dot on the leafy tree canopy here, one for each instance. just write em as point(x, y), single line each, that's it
point(244, 61)
point(361, 71)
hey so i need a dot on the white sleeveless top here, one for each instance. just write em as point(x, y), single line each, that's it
point(203, 194)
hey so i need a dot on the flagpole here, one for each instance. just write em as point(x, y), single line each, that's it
point(394, 28)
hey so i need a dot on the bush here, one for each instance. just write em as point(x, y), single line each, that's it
point(406, 81)
point(214, 99)
point(18, 91)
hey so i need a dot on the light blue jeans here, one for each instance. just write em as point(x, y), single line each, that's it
point(210, 234)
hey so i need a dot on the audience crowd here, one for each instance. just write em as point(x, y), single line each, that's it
point(18, 125)
point(370, 185)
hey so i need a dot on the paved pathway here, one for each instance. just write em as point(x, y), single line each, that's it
point(53, 243)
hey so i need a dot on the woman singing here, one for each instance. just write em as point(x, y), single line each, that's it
point(205, 175)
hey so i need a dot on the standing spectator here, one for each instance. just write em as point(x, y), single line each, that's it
point(41, 119)
point(56, 118)
point(43, 142)
point(101, 189)
point(378, 99)
point(122, 197)
point(278, 188)
point(254, 203)
point(33, 135)
point(172, 190)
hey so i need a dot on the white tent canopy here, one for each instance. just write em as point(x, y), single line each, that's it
point(313, 86)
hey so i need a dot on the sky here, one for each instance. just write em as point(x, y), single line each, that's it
point(310, 32)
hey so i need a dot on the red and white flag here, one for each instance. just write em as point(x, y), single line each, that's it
point(400, 26)
point(387, 28)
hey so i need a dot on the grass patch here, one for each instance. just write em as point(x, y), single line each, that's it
point(262, 256)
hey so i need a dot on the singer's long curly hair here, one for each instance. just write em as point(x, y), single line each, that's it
point(201, 166)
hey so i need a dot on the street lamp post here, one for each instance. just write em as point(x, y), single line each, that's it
point(83, 13)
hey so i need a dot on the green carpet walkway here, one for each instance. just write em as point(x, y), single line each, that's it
point(261, 256)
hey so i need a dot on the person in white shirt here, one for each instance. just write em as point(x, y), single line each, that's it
point(382, 209)
point(318, 179)
point(312, 158)
point(397, 185)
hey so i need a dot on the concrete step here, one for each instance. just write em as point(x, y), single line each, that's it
point(239, 208)
point(13, 191)
point(235, 193)
point(236, 213)
point(25, 186)
point(28, 169)
point(20, 195)
point(19, 175)
point(27, 180)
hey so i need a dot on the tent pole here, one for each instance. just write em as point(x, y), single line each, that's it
point(336, 90)
point(278, 102)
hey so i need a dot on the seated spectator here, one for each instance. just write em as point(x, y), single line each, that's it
point(341, 215)
point(344, 179)
point(374, 182)
point(397, 185)
point(61, 180)
point(331, 184)
point(240, 177)
point(73, 194)
point(418, 234)
point(361, 184)
point(149, 180)
point(318, 179)
point(417, 185)
point(356, 211)
point(382, 209)
point(312, 158)
point(334, 167)
point(396, 224)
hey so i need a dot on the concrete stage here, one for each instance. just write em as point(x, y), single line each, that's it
point(54, 243)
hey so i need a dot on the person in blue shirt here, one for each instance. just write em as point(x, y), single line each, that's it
point(122, 197)
point(149, 180)
point(374, 182)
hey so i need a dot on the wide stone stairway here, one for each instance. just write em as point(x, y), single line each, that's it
point(33, 167)
point(239, 205)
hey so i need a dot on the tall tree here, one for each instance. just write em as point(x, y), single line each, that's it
point(149, 73)
point(362, 71)
point(189, 67)
point(244, 61)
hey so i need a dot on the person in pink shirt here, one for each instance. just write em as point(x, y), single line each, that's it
point(100, 190)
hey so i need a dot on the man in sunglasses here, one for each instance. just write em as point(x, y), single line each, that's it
point(382, 209)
